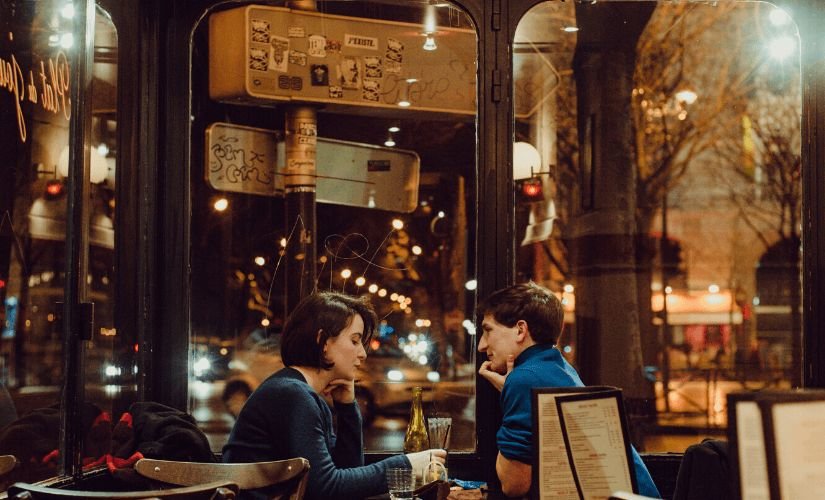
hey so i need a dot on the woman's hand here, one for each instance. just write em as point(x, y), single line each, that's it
point(421, 459)
point(495, 378)
point(341, 390)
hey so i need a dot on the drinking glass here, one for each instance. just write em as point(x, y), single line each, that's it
point(439, 431)
point(401, 483)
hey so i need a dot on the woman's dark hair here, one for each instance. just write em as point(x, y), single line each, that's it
point(319, 317)
point(536, 305)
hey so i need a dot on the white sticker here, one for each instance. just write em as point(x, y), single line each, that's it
point(395, 50)
point(360, 42)
point(296, 32)
point(297, 57)
point(307, 132)
point(316, 46)
point(260, 30)
point(350, 72)
point(279, 54)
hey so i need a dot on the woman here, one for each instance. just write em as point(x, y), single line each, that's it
point(322, 346)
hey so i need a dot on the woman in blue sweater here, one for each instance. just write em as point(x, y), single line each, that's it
point(322, 346)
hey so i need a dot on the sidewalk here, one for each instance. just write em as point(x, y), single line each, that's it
point(697, 408)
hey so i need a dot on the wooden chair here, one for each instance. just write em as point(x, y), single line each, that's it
point(7, 463)
point(282, 479)
point(215, 490)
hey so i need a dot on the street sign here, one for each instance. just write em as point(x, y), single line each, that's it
point(251, 160)
point(305, 56)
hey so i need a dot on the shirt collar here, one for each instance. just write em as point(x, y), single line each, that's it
point(534, 351)
point(289, 372)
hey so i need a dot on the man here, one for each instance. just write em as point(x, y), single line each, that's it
point(521, 325)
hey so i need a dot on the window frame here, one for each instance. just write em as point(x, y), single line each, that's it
point(152, 259)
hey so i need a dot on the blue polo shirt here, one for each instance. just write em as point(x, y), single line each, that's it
point(542, 365)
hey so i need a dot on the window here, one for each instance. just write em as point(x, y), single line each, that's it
point(669, 216)
point(37, 49)
point(386, 96)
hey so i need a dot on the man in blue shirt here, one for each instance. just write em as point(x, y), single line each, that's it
point(521, 325)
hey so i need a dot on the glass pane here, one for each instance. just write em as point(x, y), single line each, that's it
point(110, 364)
point(32, 234)
point(680, 178)
point(396, 218)
point(34, 132)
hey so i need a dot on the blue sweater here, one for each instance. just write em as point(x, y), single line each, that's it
point(542, 365)
point(285, 418)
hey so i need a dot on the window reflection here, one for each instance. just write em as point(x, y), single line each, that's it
point(38, 39)
point(404, 233)
point(714, 239)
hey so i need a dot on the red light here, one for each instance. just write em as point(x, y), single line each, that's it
point(375, 344)
point(2, 283)
point(54, 188)
point(532, 190)
point(529, 190)
point(137, 348)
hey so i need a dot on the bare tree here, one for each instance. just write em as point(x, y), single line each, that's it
point(692, 76)
point(694, 71)
point(763, 167)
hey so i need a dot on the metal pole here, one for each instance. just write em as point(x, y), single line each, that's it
point(665, 326)
point(75, 320)
point(301, 126)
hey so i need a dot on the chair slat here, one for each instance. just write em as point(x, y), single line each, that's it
point(247, 476)
point(206, 491)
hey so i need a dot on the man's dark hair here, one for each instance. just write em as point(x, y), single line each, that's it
point(319, 317)
point(536, 305)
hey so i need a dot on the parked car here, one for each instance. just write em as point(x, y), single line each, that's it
point(211, 357)
point(384, 383)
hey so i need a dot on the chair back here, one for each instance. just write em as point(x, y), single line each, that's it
point(7, 463)
point(215, 490)
point(280, 479)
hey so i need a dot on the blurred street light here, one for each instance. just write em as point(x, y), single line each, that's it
point(221, 204)
point(779, 17)
point(782, 47)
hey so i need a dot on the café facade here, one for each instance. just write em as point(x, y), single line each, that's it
point(177, 174)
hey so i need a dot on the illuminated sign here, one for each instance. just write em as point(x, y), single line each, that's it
point(45, 84)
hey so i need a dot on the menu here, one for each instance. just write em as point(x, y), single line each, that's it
point(583, 451)
point(798, 429)
point(774, 438)
point(753, 474)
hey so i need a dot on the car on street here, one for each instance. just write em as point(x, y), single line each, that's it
point(384, 384)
